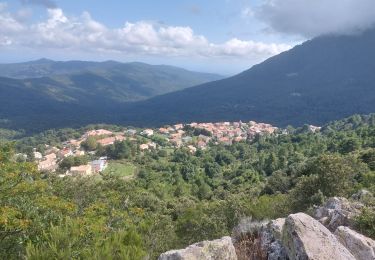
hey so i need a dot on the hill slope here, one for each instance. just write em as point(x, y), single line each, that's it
point(121, 81)
point(323, 79)
point(70, 93)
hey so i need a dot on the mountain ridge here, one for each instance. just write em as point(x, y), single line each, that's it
point(323, 79)
point(62, 94)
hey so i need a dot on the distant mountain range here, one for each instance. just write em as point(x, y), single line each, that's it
point(77, 80)
point(44, 93)
point(323, 79)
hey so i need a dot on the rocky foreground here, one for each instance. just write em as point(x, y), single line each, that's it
point(327, 234)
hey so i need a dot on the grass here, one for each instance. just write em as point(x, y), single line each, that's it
point(120, 169)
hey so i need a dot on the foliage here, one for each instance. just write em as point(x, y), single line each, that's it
point(177, 198)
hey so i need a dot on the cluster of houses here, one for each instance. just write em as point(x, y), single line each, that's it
point(177, 136)
point(53, 156)
point(221, 132)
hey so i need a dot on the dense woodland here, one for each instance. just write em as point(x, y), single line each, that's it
point(177, 198)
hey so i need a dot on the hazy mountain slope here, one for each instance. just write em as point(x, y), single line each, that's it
point(123, 81)
point(323, 79)
point(72, 93)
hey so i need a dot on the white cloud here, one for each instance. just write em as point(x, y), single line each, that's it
point(8, 23)
point(84, 34)
point(236, 47)
point(311, 18)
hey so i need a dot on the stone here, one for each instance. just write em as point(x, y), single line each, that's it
point(305, 238)
point(220, 249)
point(362, 195)
point(276, 227)
point(337, 212)
point(362, 247)
point(272, 247)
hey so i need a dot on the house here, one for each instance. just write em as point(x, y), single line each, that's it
point(143, 147)
point(106, 141)
point(314, 129)
point(178, 126)
point(147, 132)
point(131, 132)
point(187, 139)
point(152, 145)
point(99, 165)
point(147, 146)
point(52, 150)
point(75, 143)
point(83, 170)
point(164, 131)
point(38, 156)
point(176, 142)
point(66, 152)
point(79, 153)
point(120, 138)
point(48, 164)
point(225, 140)
point(98, 132)
point(238, 139)
point(202, 145)
point(192, 149)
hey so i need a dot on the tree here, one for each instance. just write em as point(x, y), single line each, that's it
point(326, 176)
point(90, 144)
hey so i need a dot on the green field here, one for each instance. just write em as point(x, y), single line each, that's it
point(120, 169)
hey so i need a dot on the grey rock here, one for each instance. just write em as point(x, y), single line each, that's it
point(362, 247)
point(276, 227)
point(221, 249)
point(337, 212)
point(305, 238)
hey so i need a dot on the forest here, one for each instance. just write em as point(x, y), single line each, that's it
point(177, 198)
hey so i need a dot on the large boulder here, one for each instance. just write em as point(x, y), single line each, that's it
point(305, 238)
point(337, 212)
point(221, 249)
point(363, 248)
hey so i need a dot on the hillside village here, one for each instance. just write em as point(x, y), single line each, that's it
point(193, 136)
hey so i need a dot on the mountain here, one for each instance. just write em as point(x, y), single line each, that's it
point(121, 81)
point(323, 79)
point(43, 94)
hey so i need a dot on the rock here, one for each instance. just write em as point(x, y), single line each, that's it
point(363, 248)
point(337, 212)
point(363, 196)
point(221, 249)
point(271, 247)
point(305, 238)
point(276, 227)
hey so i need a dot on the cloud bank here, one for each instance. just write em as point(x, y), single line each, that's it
point(309, 18)
point(84, 34)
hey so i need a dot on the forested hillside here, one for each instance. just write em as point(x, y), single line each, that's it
point(323, 79)
point(176, 197)
point(44, 94)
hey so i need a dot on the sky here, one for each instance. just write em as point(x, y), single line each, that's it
point(221, 36)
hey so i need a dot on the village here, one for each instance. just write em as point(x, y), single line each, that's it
point(193, 136)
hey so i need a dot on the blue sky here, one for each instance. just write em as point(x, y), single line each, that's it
point(223, 36)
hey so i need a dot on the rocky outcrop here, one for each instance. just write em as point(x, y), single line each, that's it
point(221, 249)
point(296, 237)
point(337, 212)
point(363, 248)
point(305, 238)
